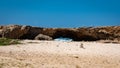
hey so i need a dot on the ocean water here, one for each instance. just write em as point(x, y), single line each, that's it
point(63, 39)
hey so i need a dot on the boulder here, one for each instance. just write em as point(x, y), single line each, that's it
point(43, 37)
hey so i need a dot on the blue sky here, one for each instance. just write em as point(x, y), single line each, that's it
point(60, 13)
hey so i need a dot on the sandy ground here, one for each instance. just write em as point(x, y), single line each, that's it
point(56, 54)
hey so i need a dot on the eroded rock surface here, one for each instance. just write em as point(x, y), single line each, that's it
point(14, 31)
point(77, 34)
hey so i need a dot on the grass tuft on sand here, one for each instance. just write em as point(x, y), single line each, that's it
point(7, 41)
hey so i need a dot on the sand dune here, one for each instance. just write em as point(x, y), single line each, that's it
point(59, 54)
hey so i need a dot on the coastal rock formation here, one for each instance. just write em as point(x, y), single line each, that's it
point(77, 34)
point(13, 31)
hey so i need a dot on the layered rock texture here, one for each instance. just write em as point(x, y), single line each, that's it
point(77, 34)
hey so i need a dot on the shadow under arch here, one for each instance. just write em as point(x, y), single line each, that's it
point(65, 33)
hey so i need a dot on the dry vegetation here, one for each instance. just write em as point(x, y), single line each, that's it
point(6, 41)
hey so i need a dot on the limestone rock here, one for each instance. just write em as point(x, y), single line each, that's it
point(14, 31)
point(77, 34)
point(43, 37)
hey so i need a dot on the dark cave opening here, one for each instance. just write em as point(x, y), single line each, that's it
point(64, 34)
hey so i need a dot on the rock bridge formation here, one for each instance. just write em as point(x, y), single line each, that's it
point(77, 34)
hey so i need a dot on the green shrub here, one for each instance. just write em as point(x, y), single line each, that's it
point(6, 41)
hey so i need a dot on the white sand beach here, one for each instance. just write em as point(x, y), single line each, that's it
point(60, 54)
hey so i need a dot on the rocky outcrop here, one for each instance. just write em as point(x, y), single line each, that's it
point(85, 33)
point(14, 31)
point(77, 34)
point(1, 27)
point(43, 37)
point(32, 33)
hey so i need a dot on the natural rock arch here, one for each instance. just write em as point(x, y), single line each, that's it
point(65, 33)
